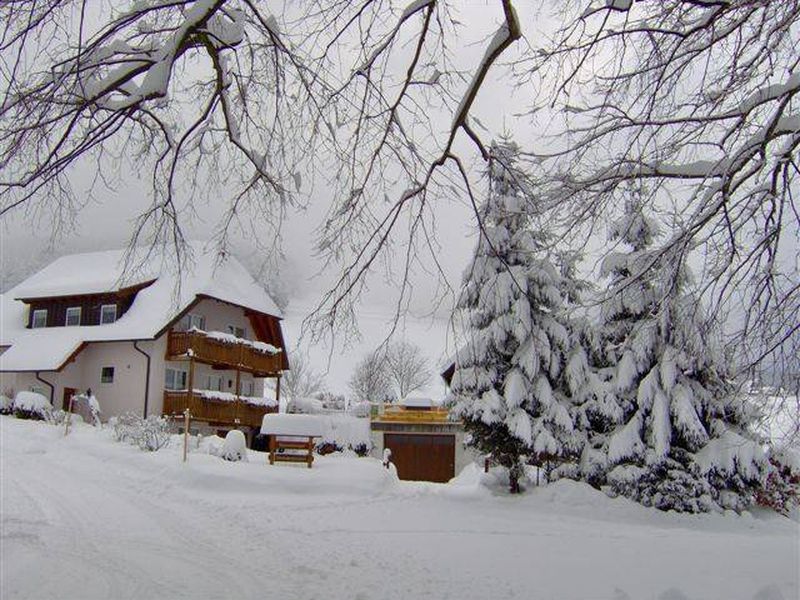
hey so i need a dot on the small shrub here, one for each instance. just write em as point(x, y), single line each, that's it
point(57, 417)
point(781, 491)
point(326, 447)
point(235, 447)
point(6, 405)
point(148, 434)
point(361, 450)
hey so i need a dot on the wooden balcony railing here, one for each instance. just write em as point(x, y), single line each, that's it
point(399, 414)
point(205, 349)
point(223, 412)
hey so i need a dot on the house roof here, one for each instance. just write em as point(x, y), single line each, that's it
point(154, 308)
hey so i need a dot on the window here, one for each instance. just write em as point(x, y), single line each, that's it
point(39, 390)
point(237, 331)
point(107, 375)
point(73, 316)
point(175, 379)
point(39, 318)
point(108, 313)
point(247, 388)
point(191, 320)
point(214, 383)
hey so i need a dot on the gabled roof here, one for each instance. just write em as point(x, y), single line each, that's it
point(154, 308)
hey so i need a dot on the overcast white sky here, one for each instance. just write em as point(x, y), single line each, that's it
point(105, 223)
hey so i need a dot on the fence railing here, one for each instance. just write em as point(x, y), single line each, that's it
point(223, 412)
point(406, 415)
point(206, 349)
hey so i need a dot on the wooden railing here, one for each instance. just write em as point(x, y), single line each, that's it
point(410, 415)
point(214, 411)
point(205, 349)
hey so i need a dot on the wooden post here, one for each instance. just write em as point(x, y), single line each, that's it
point(272, 443)
point(278, 391)
point(187, 418)
point(69, 416)
point(190, 385)
point(238, 384)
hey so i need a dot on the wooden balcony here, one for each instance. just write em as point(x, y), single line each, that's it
point(212, 411)
point(400, 414)
point(197, 345)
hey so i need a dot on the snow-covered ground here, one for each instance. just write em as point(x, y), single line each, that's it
point(85, 517)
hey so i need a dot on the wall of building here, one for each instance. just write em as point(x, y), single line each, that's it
point(219, 315)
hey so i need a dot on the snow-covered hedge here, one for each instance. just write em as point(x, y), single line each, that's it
point(6, 405)
point(148, 434)
point(32, 405)
point(343, 432)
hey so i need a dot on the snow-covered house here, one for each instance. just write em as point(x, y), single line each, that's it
point(151, 340)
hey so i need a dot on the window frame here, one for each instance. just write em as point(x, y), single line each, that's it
point(218, 383)
point(178, 374)
point(234, 330)
point(67, 314)
point(103, 374)
point(102, 310)
point(39, 311)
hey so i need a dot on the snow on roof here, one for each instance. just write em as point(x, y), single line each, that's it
point(292, 425)
point(153, 309)
point(417, 402)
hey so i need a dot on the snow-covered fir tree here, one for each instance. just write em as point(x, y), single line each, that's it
point(506, 381)
point(682, 442)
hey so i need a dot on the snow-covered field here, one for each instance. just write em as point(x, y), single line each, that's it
point(85, 517)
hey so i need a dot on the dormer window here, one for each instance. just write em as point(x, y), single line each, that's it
point(73, 316)
point(108, 313)
point(39, 318)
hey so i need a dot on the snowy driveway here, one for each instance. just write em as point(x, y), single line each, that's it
point(84, 517)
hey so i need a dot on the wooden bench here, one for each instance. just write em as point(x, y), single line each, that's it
point(291, 437)
point(278, 445)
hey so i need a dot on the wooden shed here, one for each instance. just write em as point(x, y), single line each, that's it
point(425, 443)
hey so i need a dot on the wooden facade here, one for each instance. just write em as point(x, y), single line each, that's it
point(90, 305)
point(215, 412)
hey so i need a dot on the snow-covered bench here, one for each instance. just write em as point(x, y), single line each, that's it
point(291, 437)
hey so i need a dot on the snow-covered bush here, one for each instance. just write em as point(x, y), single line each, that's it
point(667, 485)
point(148, 434)
point(235, 447)
point(58, 417)
point(31, 405)
point(359, 409)
point(306, 406)
point(6, 405)
point(781, 491)
point(344, 432)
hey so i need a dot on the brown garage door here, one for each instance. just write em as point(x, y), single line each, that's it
point(422, 457)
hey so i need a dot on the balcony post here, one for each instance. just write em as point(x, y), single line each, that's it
point(190, 391)
point(239, 382)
